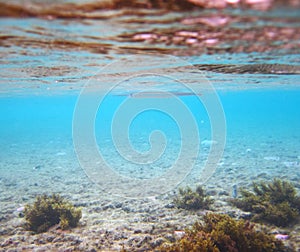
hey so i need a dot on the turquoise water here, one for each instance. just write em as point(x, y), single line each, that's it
point(262, 136)
point(93, 108)
point(40, 89)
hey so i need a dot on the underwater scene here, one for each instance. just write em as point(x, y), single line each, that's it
point(150, 125)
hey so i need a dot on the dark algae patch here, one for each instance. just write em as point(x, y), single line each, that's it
point(274, 203)
point(192, 199)
point(48, 211)
point(221, 233)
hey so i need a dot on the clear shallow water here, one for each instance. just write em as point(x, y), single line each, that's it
point(262, 136)
point(46, 62)
point(39, 99)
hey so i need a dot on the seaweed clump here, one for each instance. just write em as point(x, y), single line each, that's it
point(193, 200)
point(274, 203)
point(48, 211)
point(221, 233)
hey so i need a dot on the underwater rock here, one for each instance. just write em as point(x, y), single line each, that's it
point(170, 205)
point(281, 237)
point(20, 209)
point(291, 164)
point(179, 234)
point(211, 192)
point(223, 193)
point(157, 242)
point(272, 158)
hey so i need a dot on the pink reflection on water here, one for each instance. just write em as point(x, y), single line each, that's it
point(214, 21)
point(144, 36)
point(232, 1)
point(187, 34)
point(255, 4)
point(259, 4)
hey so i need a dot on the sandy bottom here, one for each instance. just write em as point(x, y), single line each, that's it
point(109, 222)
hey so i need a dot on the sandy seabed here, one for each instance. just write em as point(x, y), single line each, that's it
point(110, 223)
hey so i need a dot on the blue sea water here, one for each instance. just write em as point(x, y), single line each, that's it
point(262, 136)
point(150, 147)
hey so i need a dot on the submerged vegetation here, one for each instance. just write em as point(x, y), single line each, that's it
point(193, 200)
point(275, 203)
point(48, 211)
point(221, 233)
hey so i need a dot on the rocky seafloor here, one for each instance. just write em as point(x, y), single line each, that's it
point(112, 224)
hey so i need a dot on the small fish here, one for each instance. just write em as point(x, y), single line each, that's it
point(234, 192)
point(37, 167)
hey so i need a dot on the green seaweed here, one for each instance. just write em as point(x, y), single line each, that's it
point(221, 233)
point(192, 200)
point(48, 211)
point(275, 203)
